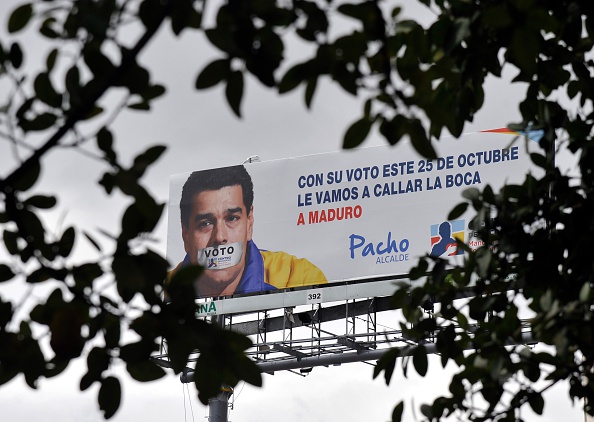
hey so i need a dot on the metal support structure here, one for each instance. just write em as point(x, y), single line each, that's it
point(289, 320)
point(316, 327)
point(330, 313)
point(261, 337)
point(298, 339)
point(340, 358)
point(350, 316)
point(372, 323)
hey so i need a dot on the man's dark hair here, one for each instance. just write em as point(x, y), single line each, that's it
point(215, 179)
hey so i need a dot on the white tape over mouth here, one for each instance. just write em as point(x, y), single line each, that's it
point(220, 257)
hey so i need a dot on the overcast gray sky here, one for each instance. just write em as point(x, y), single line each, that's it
point(201, 132)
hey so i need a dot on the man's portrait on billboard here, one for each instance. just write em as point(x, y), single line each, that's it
point(217, 223)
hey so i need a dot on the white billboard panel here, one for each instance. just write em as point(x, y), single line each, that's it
point(328, 218)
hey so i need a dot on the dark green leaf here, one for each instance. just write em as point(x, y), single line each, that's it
point(420, 270)
point(420, 142)
point(214, 73)
point(139, 219)
point(356, 133)
point(108, 182)
point(247, 370)
point(367, 108)
point(142, 106)
point(95, 111)
point(310, 89)
point(144, 160)
point(97, 62)
point(184, 16)
point(20, 17)
point(136, 79)
point(128, 277)
point(65, 322)
point(420, 360)
point(10, 241)
point(105, 144)
point(40, 122)
point(293, 78)
point(66, 242)
point(180, 288)
point(97, 362)
point(457, 211)
point(386, 363)
point(536, 402)
point(41, 202)
point(43, 274)
point(73, 86)
point(427, 411)
point(137, 352)
point(50, 62)
point(316, 23)
point(524, 48)
point(539, 160)
point(472, 194)
point(145, 371)
point(85, 274)
point(46, 92)
point(35, 362)
point(393, 129)
point(151, 12)
point(86, 381)
point(397, 412)
point(110, 395)
point(484, 258)
point(47, 28)
point(234, 91)
point(16, 55)
point(112, 331)
point(154, 91)
point(399, 298)
point(55, 367)
point(5, 273)
point(457, 388)
point(28, 177)
point(5, 316)
point(219, 37)
point(24, 108)
point(356, 11)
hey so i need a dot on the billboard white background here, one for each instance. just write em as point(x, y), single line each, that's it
point(399, 195)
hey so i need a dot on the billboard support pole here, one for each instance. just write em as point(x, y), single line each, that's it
point(219, 405)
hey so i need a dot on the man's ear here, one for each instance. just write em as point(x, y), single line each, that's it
point(185, 235)
point(250, 228)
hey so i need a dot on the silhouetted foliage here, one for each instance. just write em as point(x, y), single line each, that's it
point(414, 81)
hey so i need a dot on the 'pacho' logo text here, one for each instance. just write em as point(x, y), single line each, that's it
point(388, 251)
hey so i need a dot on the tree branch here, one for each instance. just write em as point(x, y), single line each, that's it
point(128, 59)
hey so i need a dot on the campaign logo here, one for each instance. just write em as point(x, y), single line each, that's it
point(212, 263)
point(444, 236)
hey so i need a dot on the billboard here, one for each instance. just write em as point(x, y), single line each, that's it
point(324, 219)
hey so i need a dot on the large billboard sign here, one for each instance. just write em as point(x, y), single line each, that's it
point(324, 219)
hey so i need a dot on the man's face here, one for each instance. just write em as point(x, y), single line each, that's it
point(219, 217)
